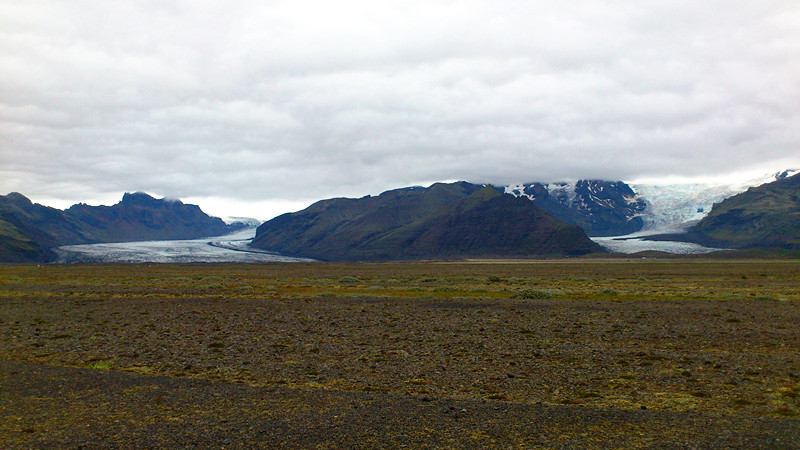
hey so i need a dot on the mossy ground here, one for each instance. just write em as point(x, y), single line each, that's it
point(696, 336)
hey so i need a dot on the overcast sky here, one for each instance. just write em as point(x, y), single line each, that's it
point(260, 107)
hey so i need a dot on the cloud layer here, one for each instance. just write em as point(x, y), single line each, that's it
point(297, 100)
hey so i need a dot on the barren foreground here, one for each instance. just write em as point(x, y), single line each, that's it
point(597, 353)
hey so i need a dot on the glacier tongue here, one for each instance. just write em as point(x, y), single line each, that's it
point(670, 207)
point(675, 207)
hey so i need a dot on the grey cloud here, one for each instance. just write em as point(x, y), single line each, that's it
point(301, 100)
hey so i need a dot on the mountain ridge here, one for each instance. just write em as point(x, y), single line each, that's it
point(762, 216)
point(453, 220)
point(28, 231)
point(599, 207)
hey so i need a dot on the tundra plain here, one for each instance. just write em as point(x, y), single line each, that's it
point(490, 353)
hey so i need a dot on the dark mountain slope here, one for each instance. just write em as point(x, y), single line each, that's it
point(140, 217)
point(49, 227)
point(28, 231)
point(486, 224)
point(15, 246)
point(331, 229)
point(763, 216)
point(444, 221)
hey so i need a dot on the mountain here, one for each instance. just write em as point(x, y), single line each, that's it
point(601, 208)
point(763, 216)
point(47, 227)
point(140, 217)
point(613, 208)
point(328, 229)
point(28, 231)
point(456, 220)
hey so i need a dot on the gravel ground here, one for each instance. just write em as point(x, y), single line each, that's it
point(240, 356)
point(47, 407)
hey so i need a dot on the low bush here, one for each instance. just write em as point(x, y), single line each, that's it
point(349, 279)
point(536, 294)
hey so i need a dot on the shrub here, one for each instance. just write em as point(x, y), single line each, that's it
point(349, 279)
point(536, 294)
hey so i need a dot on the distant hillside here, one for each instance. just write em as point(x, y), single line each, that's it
point(601, 208)
point(455, 220)
point(47, 227)
point(28, 231)
point(140, 217)
point(763, 216)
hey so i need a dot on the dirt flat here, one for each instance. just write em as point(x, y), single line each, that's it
point(618, 354)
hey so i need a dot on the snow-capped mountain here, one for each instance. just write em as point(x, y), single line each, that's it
point(601, 208)
point(609, 208)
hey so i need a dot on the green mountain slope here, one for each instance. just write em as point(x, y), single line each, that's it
point(16, 246)
point(444, 221)
point(763, 216)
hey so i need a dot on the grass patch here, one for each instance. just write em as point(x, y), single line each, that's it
point(100, 365)
point(590, 394)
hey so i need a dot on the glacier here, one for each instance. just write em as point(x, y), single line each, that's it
point(220, 249)
point(670, 208)
point(634, 243)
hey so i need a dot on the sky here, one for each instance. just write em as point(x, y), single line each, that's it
point(255, 108)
